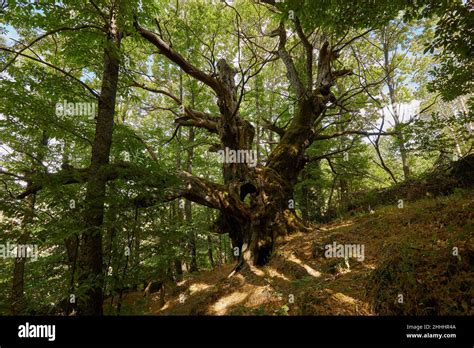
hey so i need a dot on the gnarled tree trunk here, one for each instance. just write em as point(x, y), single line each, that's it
point(254, 224)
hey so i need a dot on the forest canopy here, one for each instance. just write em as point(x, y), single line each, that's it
point(147, 140)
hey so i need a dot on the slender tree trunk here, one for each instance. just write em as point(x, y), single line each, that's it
point(18, 301)
point(404, 156)
point(258, 83)
point(344, 194)
point(71, 242)
point(331, 194)
point(177, 261)
point(209, 242)
point(188, 212)
point(389, 70)
point(226, 250)
point(91, 257)
point(447, 112)
point(130, 243)
point(220, 258)
point(136, 247)
point(110, 254)
point(209, 252)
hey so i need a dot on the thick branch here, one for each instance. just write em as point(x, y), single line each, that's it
point(309, 53)
point(195, 189)
point(70, 175)
point(292, 73)
point(273, 127)
point(177, 58)
point(202, 121)
point(66, 176)
point(202, 192)
point(155, 90)
point(199, 190)
point(192, 117)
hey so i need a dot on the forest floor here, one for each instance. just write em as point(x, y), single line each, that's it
point(423, 251)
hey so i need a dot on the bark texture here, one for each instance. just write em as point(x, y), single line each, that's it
point(90, 276)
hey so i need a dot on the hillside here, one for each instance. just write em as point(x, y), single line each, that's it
point(409, 251)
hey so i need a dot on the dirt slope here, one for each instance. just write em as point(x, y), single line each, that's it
point(409, 251)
